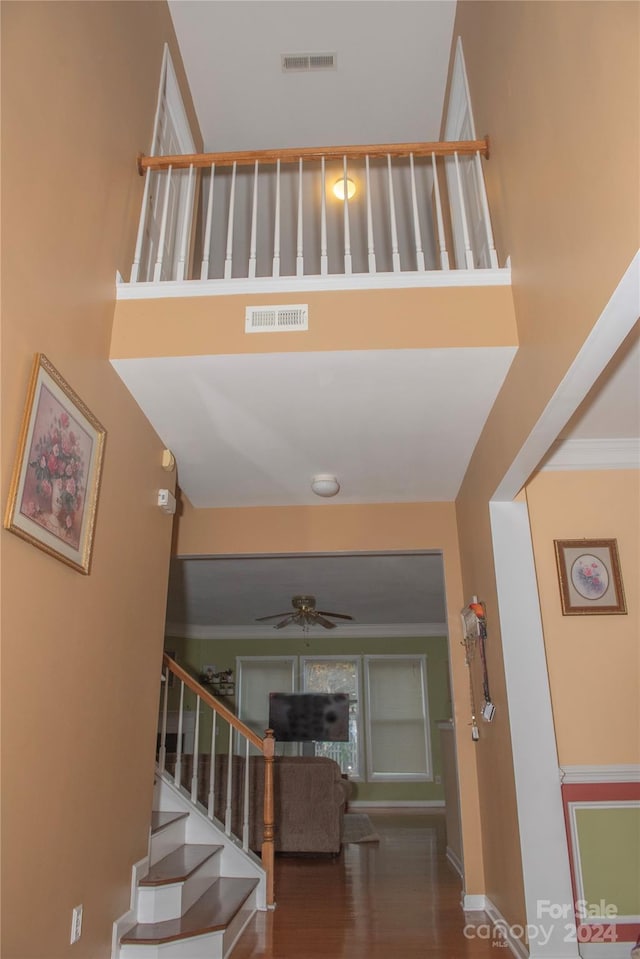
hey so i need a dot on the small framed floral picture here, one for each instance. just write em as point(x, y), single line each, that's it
point(54, 490)
point(590, 577)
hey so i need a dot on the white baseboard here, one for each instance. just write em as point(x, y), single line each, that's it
point(396, 804)
point(128, 920)
point(517, 947)
point(474, 903)
point(454, 859)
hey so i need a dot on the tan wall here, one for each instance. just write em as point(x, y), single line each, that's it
point(354, 320)
point(328, 528)
point(80, 654)
point(593, 661)
point(555, 85)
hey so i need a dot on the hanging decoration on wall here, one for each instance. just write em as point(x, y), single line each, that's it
point(474, 633)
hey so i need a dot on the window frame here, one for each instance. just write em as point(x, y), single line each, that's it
point(381, 776)
point(356, 659)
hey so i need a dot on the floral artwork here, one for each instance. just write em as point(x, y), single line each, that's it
point(590, 578)
point(55, 485)
point(53, 493)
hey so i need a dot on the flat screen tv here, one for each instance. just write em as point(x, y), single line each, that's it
point(309, 717)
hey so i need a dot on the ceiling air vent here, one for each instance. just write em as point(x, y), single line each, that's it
point(305, 62)
point(276, 319)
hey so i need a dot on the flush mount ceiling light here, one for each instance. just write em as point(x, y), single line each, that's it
point(325, 484)
point(338, 188)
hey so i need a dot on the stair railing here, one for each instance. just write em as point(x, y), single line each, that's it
point(272, 213)
point(187, 723)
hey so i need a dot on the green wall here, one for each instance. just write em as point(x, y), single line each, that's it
point(193, 654)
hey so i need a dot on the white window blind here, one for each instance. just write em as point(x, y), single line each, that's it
point(256, 679)
point(398, 745)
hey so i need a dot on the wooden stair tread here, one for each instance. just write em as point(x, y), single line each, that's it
point(211, 913)
point(160, 820)
point(179, 864)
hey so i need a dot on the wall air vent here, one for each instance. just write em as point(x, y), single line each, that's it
point(306, 62)
point(276, 319)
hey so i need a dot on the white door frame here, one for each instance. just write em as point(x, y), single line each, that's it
point(543, 840)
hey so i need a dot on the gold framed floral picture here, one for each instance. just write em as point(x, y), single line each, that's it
point(590, 577)
point(54, 490)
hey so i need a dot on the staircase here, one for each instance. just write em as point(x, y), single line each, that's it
point(200, 891)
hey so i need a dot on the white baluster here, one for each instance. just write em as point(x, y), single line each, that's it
point(186, 226)
point(395, 254)
point(347, 230)
point(157, 272)
point(276, 227)
point(300, 251)
point(245, 810)
point(211, 799)
point(228, 263)
point(204, 269)
point(444, 256)
point(196, 754)
point(324, 260)
point(468, 253)
point(135, 268)
point(416, 219)
point(177, 774)
point(162, 754)
point(228, 808)
point(493, 256)
point(254, 225)
point(370, 245)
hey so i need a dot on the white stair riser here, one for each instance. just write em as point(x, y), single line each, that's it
point(209, 946)
point(157, 903)
point(167, 840)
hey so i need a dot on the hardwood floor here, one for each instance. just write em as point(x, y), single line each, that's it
point(398, 898)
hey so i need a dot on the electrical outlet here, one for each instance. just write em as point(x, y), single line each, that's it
point(438, 780)
point(76, 924)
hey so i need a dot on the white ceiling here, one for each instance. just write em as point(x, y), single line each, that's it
point(253, 430)
point(392, 58)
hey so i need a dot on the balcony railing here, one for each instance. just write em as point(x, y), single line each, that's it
point(418, 209)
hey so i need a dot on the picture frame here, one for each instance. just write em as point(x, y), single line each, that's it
point(54, 489)
point(590, 577)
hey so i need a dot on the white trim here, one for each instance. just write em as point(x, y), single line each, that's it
point(515, 945)
point(584, 454)
point(373, 631)
point(455, 861)
point(312, 284)
point(128, 920)
point(474, 903)
point(545, 855)
point(615, 322)
point(629, 773)
point(459, 98)
point(397, 804)
point(175, 106)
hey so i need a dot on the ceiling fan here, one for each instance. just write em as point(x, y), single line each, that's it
point(305, 614)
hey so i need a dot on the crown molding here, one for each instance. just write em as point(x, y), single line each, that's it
point(616, 454)
point(364, 631)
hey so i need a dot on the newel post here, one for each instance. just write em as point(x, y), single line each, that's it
point(268, 849)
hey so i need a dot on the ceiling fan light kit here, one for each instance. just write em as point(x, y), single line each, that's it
point(325, 484)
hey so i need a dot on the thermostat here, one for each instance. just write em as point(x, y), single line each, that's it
point(166, 501)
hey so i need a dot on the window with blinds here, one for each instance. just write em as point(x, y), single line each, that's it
point(398, 744)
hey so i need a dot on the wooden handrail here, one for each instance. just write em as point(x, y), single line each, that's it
point(211, 701)
point(293, 154)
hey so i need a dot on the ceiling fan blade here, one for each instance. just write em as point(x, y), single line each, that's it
point(261, 619)
point(325, 612)
point(290, 618)
point(318, 618)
